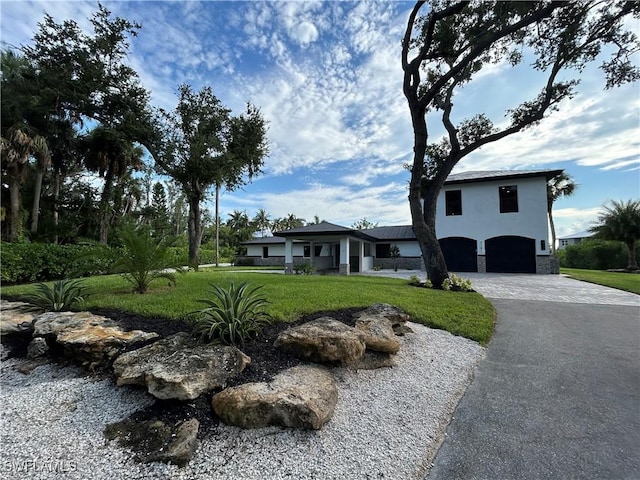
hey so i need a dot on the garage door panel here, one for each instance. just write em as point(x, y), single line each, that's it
point(511, 254)
point(460, 254)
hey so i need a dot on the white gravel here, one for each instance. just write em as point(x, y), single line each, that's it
point(388, 424)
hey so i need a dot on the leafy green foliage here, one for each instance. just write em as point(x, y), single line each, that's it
point(58, 297)
point(594, 254)
point(233, 316)
point(456, 284)
point(144, 259)
point(621, 221)
point(303, 268)
point(25, 262)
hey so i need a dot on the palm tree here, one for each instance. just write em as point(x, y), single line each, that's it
point(262, 221)
point(16, 148)
point(621, 222)
point(109, 153)
point(561, 185)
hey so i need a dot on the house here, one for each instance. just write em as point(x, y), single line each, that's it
point(493, 221)
point(573, 239)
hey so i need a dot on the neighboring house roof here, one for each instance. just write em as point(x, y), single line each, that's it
point(486, 176)
point(264, 241)
point(583, 234)
point(323, 229)
point(400, 232)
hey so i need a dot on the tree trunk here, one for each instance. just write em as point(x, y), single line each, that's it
point(37, 191)
point(105, 214)
point(553, 233)
point(633, 263)
point(56, 206)
point(14, 209)
point(423, 221)
point(195, 232)
point(217, 225)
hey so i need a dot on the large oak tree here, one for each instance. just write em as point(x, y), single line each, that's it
point(447, 44)
point(204, 146)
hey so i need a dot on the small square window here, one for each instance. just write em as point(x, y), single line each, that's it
point(453, 201)
point(508, 199)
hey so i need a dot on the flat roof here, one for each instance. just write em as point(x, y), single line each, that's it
point(491, 175)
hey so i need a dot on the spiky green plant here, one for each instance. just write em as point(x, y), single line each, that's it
point(233, 315)
point(58, 297)
point(145, 258)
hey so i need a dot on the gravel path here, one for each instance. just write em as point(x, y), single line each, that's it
point(388, 424)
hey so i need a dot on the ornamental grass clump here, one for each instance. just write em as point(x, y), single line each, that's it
point(233, 316)
point(58, 297)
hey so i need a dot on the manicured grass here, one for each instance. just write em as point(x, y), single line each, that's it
point(292, 296)
point(629, 282)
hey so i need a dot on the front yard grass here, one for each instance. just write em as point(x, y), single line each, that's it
point(629, 282)
point(292, 296)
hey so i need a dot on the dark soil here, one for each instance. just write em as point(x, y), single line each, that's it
point(266, 362)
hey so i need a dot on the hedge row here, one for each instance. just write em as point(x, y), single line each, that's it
point(41, 262)
point(594, 255)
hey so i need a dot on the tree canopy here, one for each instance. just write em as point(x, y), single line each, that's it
point(448, 44)
point(620, 221)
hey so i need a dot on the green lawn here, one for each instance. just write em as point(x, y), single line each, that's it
point(291, 296)
point(622, 281)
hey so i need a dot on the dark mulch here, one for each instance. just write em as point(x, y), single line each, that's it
point(266, 362)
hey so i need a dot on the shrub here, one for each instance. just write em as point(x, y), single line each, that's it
point(414, 281)
point(145, 259)
point(233, 316)
point(303, 268)
point(594, 255)
point(457, 284)
point(25, 262)
point(244, 261)
point(58, 297)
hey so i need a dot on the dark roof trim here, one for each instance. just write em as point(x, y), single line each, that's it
point(498, 175)
point(323, 229)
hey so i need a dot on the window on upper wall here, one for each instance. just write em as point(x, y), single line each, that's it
point(307, 251)
point(508, 199)
point(453, 202)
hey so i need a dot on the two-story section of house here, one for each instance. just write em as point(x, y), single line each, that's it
point(496, 221)
point(490, 221)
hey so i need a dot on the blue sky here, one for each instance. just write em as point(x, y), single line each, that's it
point(328, 79)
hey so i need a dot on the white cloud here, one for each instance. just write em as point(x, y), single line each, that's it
point(304, 33)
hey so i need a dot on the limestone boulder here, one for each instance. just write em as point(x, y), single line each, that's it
point(92, 339)
point(16, 318)
point(372, 360)
point(323, 340)
point(394, 314)
point(37, 348)
point(157, 441)
point(378, 333)
point(301, 397)
point(178, 368)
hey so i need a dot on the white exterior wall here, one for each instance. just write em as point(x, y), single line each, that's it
point(277, 250)
point(481, 218)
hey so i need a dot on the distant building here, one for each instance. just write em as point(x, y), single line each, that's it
point(573, 239)
point(493, 221)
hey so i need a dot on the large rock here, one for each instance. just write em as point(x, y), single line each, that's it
point(300, 397)
point(323, 340)
point(393, 314)
point(378, 333)
point(177, 368)
point(91, 339)
point(16, 318)
point(372, 360)
point(156, 441)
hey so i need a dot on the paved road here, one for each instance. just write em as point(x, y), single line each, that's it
point(558, 395)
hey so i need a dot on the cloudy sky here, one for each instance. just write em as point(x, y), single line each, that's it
point(327, 77)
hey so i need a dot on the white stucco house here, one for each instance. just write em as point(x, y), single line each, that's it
point(490, 221)
point(574, 238)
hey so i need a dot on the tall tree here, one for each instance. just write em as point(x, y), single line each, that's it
point(363, 224)
point(449, 46)
point(620, 221)
point(559, 186)
point(203, 146)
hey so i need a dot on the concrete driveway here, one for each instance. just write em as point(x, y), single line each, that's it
point(558, 395)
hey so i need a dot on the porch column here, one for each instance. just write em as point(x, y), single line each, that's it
point(288, 256)
point(343, 269)
point(361, 255)
point(312, 254)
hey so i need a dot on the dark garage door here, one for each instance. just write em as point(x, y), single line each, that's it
point(460, 254)
point(511, 254)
